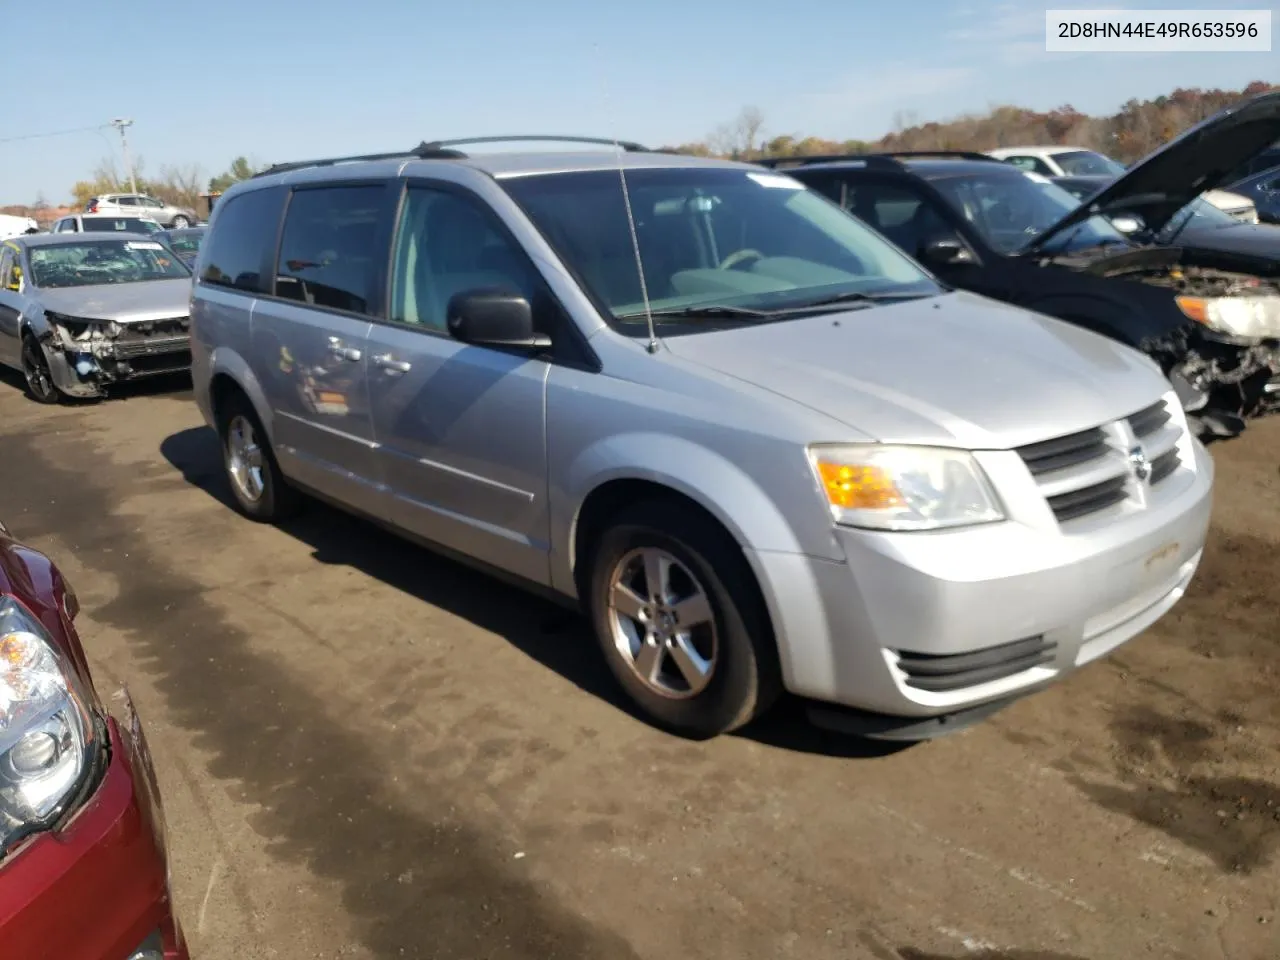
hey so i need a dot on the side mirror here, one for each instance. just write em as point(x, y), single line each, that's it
point(493, 318)
point(945, 251)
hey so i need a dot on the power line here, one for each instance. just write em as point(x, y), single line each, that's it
point(55, 133)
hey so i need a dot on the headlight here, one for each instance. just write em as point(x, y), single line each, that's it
point(1237, 316)
point(903, 488)
point(46, 730)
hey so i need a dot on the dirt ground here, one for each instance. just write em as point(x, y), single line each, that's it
point(370, 752)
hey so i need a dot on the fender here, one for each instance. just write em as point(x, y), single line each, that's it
point(718, 485)
point(229, 363)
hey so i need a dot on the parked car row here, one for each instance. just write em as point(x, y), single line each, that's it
point(727, 412)
point(1080, 165)
point(712, 409)
point(1208, 314)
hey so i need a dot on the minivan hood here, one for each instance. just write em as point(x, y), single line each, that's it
point(953, 370)
point(1200, 159)
point(121, 302)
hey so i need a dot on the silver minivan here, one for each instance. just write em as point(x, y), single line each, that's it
point(760, 447)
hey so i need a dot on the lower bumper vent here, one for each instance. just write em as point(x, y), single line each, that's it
point(940, 673)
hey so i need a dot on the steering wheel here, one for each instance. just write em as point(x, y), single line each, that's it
point(739, 256)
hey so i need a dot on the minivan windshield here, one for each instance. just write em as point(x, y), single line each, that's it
point(1087, 163)
point(1010, 209)
point(86, 263)
point(732, 243)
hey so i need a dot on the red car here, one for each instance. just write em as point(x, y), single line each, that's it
point(83, 869)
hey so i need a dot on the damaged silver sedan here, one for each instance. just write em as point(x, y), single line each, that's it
point(81, 312)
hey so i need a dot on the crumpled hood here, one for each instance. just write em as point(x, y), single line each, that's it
point(1200, 159)
point(121, 302)
point(955, 370)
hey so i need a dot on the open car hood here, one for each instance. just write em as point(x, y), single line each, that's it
point(1200, 159)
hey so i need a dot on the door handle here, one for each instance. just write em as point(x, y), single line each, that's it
point(342, 351)
point(390, 364)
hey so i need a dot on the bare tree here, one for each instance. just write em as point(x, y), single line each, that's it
point(742, 138)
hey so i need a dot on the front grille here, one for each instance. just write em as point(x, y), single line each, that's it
point(150, 346)
point(1085, 473)
point(941, 673)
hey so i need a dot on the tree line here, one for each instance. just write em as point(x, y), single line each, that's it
point(1137, 128)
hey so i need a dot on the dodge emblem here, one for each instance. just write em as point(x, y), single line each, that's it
point(1139, 464)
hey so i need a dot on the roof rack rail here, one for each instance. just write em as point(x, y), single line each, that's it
point(627, 145)
point(871, 159)
point(443, 150)
point(944, 154)
point(881, 158)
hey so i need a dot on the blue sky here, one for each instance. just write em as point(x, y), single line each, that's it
point(279, 80)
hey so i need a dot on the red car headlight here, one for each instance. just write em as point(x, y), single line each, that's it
point(47, 734)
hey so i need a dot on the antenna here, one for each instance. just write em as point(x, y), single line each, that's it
point(652, 345)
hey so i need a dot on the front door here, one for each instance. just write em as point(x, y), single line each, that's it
point(460, 429)
point(309, 340)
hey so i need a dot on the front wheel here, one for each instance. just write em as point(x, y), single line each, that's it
point(681, 621)
point(180, 223)
point(35, 368)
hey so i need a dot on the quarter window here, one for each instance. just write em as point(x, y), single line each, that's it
point(241, 240)
point(327, 253)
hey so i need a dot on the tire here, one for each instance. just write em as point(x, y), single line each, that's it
point(180, 223)
point(35, 371)
point(730, 630)
point(260, 489)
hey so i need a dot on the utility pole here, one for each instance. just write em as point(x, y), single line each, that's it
point(120, 124)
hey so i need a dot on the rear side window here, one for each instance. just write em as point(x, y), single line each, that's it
point(327, 251)
point(241, 241)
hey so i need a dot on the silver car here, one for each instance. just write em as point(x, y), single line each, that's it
point(141, 205)
point(756, 444)
point(81, 312)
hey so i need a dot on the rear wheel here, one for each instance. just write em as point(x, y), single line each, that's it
point(260, 489)
point(680, 619)
point(35, 368)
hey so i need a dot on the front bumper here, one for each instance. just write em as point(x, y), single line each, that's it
point(97, 889)
point(883, 632)
point(84, 370)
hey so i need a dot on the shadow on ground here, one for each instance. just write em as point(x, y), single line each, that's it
point(417, 878)
point(910, 953)
point(175, 386)
point(1166, 780)
point(557, 638)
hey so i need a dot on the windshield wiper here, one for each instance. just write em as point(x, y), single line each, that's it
point(711, 310)
point(856, 296)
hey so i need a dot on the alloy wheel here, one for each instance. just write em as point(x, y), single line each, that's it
point(662, 623)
